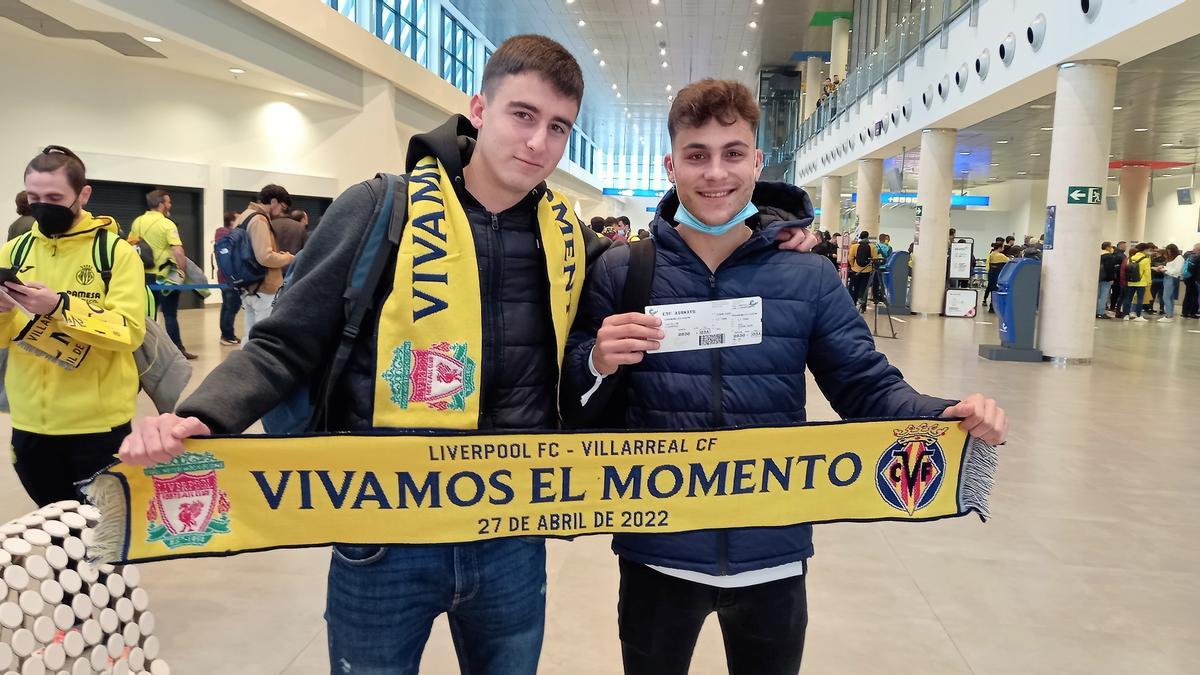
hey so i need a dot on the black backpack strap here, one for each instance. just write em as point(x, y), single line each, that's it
point(370, 264)
point(640, 278)
point(21, 250)
point(102, 255)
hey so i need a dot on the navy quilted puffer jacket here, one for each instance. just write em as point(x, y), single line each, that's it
point(809, 322)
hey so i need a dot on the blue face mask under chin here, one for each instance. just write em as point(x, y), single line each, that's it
point(685, 217)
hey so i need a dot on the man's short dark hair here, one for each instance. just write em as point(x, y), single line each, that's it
point(23, 204)
point(864, 235)
point(536, 54)
point(156, 197)
point(644, 233)
point(1106, 245)
point(598, 224)
point(230, 216)
point(1009, 238)
point(55, 157)
point(298, 214)
point(726, 101)
point(276, 192)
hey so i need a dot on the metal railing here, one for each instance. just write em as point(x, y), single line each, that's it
point(904, 46)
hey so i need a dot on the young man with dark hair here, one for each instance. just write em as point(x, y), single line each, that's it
point(231, 298)
point(714, 235)
point(160, 233)
point(72, 390)
point(259, 300)
point(25, 219)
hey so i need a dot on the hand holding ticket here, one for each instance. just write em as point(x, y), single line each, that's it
point(708, 325)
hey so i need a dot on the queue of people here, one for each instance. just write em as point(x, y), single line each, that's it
point(1148, 280)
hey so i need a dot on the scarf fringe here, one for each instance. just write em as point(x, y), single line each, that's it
point(107, 493)
point(41, 354)
point(979, 474)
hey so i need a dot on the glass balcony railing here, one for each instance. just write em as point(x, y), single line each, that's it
point(900, 47)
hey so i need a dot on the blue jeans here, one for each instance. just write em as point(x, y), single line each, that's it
point(1170, 291)
point(168, 304)
point(382, 601)
point(231, 303)
point(1130, 292)
point(1102, 297)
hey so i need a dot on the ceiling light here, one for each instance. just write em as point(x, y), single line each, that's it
point(1167, 175)
point(1035, 154)
point(151, 38)
point(1168, 145)
point(753, 24)
point(745, 52)
point(302, 94)
point(758, 2)
point(1117, 107)
point(581, 23)
point(1040, 106)
point(670, 98)
point(1139, 130)
point(665, 64)
point(964, 153)
point(595, 52)
point(668, 87)
point(237, 71)
point(618, 94)
point(658, 24)
point(614, 87)
point(570, 2)
point(741, 67)
point(993, 178)
point(1047, 128)
point(627, 110)
point(1022, 173)
point(602, 63)
point(995, 163)
point(1112, 177)
point(654, 2)
point(1001, 142)
point(662, 52)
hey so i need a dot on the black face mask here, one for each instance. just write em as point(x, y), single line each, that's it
point(53, 219)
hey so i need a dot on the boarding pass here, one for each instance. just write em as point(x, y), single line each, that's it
point(708, 325)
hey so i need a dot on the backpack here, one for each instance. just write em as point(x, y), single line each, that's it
point(1133, 269)
point(235, 256)
point(862, 254)
point(305, 409)
point(639, 281)
point(144, 252)
point(1189, 267)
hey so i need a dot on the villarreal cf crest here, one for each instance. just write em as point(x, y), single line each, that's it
point(910, 471)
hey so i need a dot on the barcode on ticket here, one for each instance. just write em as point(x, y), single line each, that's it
point(710, 340)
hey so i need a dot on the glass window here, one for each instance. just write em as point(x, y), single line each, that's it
point(347, 8)
point(401, 23)
point(458, 54)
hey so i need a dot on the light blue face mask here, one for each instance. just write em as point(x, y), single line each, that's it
point(685, 217)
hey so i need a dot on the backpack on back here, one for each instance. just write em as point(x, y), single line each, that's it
point(305, 409)
point(1133, 269)
point(1189, 267)
point(235, 256)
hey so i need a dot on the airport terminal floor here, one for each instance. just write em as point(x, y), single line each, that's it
point(1087, 565)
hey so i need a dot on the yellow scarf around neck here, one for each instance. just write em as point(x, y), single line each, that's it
point(430, 345)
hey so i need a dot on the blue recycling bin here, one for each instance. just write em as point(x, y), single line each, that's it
point(895, 282)
point(1016, 301)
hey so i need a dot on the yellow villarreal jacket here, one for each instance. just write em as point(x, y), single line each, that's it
point(101, 392)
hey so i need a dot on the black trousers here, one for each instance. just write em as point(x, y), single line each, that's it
point(660, 617)
point(1191, 303)
point(859, 281)
point(50, 466)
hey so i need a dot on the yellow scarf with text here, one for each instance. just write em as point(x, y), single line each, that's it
point(233, 495)
point(430, 347)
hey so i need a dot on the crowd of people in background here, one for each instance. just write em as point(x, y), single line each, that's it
point(618, 228)
point(1145, 279)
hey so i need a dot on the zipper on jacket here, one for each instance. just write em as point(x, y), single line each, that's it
point(492, 337)
point(718, 413)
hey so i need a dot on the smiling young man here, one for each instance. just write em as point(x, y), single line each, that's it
point(714, 236)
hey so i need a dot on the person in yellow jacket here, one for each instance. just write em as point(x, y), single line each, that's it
point(71, 323)
point(1136, 282)
point(862, 256)
point(160, 233)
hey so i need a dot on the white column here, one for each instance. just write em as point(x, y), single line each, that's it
point(831, 203)
point(1078, 157)
point(870, 189)
point(840, 48)
point(934, 185)
point(813, 83)
point(1131, 205)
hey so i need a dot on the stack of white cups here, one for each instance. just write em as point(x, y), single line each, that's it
point(60, 614)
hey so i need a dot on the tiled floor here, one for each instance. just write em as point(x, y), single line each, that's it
point(1086, 567)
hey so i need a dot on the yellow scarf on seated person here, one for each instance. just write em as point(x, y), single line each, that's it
point(234, 495)
point(430, 342)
